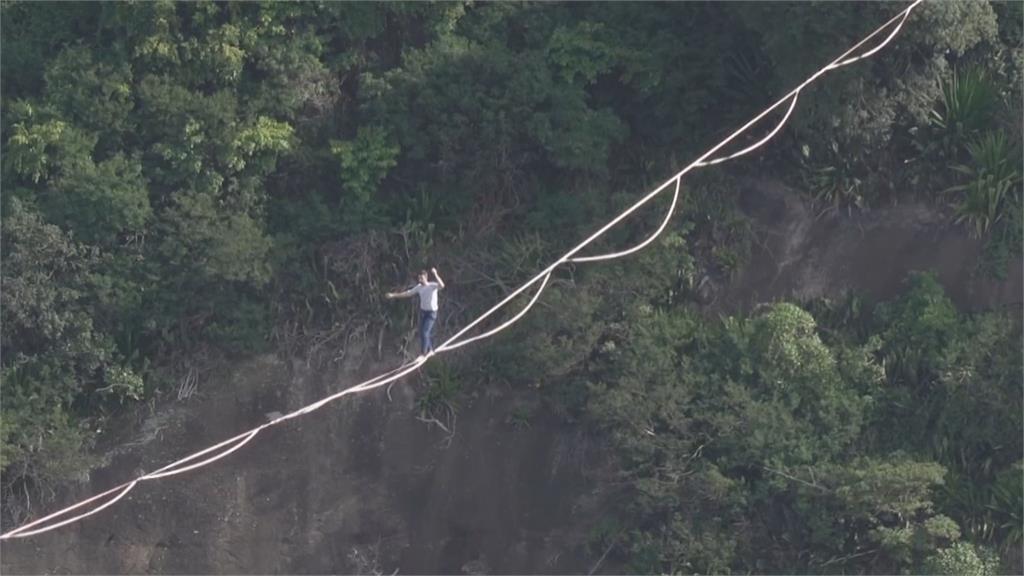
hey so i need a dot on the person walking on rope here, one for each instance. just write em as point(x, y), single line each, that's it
point(427, 291)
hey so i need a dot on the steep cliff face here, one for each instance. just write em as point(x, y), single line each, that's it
point(362, 485)
point(800, 252)
point(357, 486)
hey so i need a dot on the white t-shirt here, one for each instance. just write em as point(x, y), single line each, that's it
point(428, 295)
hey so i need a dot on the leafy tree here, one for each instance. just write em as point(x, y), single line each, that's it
point(230, 247)
point(217, 59)
point(964, 559)
point(101, 202)
point(284, 73)
point(33, 35)
point(42, 145)
point(480, 118)
point(878, 506)
point(917, 329)
point(739, 406)
point(44, 298)
point(96, 96)
point(259, 144)
point(580, 53)
point(365, 162)
point(54, 355)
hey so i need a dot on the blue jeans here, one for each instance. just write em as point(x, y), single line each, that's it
point(427, 319)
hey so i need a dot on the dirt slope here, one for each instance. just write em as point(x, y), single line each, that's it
point(800, 253)
point(359, 484)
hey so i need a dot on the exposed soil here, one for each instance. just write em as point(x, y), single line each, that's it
point(801, 254)
point(358, 485)
point(363, 485)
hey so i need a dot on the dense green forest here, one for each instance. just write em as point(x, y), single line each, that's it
point(220, 180)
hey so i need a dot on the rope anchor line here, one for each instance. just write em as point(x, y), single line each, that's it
point(229, 446)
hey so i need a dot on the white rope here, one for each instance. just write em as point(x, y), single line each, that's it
point(841, 60)
point(450, 344)
point(640, 246)
point(509, 322)
point(759, 143)
point(167, 471)
point(25, 531)
point(869, 53)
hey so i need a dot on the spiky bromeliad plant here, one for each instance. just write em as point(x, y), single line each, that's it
point(969, 101)
point(993, 178)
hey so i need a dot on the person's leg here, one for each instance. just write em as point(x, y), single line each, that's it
point(427, 319)
point(422, 332)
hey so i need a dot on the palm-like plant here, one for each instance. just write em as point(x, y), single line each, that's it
point(987, 511)
point(1005, 505)
point(992, 174)
point(969, 100)
point(835, 187)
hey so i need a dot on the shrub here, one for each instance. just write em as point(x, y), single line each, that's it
point(992, 175)
point(968, 103)
point(963, 559)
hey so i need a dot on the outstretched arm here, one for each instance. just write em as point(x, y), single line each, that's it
point(437, 277)
point(407, 294)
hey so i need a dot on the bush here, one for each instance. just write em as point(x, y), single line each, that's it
point(968, 104)
point(963, 559)
point(993, 179)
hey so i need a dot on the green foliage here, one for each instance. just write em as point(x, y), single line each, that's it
point(229, 247)
point(140, 143)
point(968, 103)
point(993, 176)
point(1006, 240)
point(365, 161)
point(579, 53)
point(680, 396)
point(241, 329)
point(45, 295)
point(479, 119)
point(918, 329)
point(979, 372)
point(94, 95)
point(835, 186)
point(851, 126)
point(871, 489)
point(883, 505)
point(33, 35)
point(989, 511)
point(41, 144)
point(799, 370)
point(219, 57)
point(564, 333)
point(260, 143)
point(42, 447)
point(444, 385)
point(963, 559)
point(786, 427)
point(54, 356)
point(519, 417)
point(122, 382)
point(101, 202)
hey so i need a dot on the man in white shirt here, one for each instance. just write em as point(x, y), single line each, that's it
point(427, 291)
